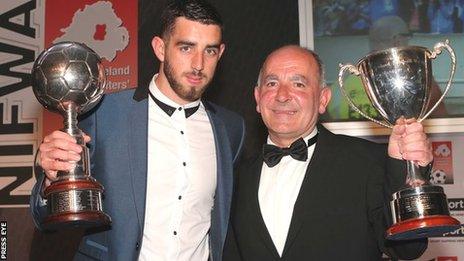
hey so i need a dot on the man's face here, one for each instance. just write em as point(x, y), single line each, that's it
point(289, 96)
point(188, 56)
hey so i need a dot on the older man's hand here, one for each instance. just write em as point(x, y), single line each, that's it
point(408, 141)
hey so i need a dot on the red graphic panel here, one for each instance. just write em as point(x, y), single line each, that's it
point(442, 172)
point(108, 27)
point(447, 258)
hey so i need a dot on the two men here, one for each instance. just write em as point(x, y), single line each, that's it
point(313, 195)
point(164, 156)
point(150, 155)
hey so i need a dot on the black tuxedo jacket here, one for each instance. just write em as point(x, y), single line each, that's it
point(341, 211)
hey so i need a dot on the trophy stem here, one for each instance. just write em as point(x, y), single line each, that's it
point(415, 176)
point(81, 168)
point(70, 123)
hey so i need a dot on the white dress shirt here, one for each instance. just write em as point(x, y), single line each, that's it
point(181, 182)
point(278, 190)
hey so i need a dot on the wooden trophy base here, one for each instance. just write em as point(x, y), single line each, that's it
point(76, 220)
point(75, 203)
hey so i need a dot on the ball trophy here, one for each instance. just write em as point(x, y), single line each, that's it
point(398, 83)
point(68, 78)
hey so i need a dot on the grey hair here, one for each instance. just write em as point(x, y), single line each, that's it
point(320, 64)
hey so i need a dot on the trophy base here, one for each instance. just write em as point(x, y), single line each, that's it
point(76, 220)
point(430, 226)
point(420, 212)
point(75, 203)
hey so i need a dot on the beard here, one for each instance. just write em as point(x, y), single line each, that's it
point(188, 93)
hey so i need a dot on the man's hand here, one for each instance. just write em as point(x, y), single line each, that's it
point(408, 141)
point(58, 152)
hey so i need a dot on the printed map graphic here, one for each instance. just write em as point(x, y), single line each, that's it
point(99, 27)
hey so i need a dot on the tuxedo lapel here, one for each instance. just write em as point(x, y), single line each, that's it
point(137, 147)
point(255, 216)
point(223, 194)
point(308, 192)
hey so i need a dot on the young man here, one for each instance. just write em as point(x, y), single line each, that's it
point(164, 156)
point(313, 195)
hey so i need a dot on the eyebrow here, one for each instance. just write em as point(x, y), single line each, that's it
point(193, 44)
point(185, 43)
point(296, 77)
point(213, 46)
point(271, 77)
point(299, 77)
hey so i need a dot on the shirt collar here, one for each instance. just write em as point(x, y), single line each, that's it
point(309, 136)
point(154, 89)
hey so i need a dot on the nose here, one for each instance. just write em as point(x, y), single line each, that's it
point(283, 93)
point(198, 61)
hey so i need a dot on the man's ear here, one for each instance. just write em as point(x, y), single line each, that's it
point(222, 47)
point(324, 99)
point(158, 46)
point(257, 98)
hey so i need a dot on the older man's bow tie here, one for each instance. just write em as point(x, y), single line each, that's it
point(169, 110)
point(298, 150)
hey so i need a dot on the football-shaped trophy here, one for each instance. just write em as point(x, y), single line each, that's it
point(398, 82)
point(68, 78)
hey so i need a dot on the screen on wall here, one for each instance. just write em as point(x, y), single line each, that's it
point(343, 17)
point(346, 31)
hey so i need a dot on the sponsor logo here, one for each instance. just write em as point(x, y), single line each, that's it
point(456, 204)
point(443, 163)
point(456, 233)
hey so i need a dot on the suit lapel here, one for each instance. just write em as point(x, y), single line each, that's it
point(308, 192)
point(137, 147)
point(255, 215)
point(223, 194)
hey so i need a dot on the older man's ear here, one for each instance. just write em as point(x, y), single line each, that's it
point(324, 99)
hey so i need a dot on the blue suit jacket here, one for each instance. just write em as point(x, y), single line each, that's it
point(118, 128)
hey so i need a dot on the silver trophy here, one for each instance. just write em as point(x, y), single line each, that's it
point(68, 78)
point(398, 83)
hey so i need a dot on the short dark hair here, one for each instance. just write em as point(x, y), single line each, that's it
point(194, 10)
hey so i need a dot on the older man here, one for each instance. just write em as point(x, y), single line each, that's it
point(313, 195)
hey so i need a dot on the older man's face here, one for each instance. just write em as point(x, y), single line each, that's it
point(289, 96)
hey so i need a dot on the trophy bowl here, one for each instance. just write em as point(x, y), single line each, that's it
point(68, 78)
point(398, 83)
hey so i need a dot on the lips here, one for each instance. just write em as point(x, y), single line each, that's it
point(284, 112)
point(194, 80)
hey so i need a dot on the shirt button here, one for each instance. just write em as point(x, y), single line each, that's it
point(180, 197)
point(180, 108)
point(183, 163)
point(182, 132)
point(137, 246)
point(175, 233)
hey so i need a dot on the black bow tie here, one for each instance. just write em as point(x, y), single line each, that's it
point(298, 150)
point(169, 110)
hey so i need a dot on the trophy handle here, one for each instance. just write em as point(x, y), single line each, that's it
point(436, 51)
point(353, 70)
